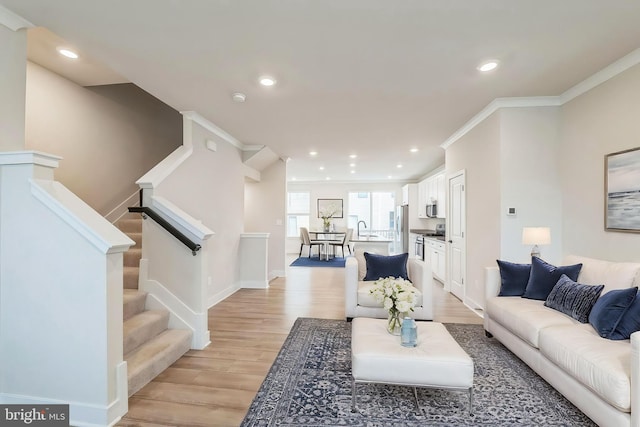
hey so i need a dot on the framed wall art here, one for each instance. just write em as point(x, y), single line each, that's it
point(331, 208)
point(622, 191)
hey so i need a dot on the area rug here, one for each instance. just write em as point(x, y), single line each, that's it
point(309, 384)
point(316, 262)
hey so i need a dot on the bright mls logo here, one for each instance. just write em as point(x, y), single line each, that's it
point(34, 415)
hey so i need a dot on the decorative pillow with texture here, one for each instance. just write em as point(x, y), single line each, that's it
point(544, 277)
point(381, 266)
point(630, 321)
point(513, 278)
point(573, 299)
point(610, 309)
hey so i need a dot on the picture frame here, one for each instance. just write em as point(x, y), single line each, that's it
point(622, 191)
point(330, 205)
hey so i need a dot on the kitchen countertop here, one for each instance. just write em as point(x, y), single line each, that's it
point(370, 239)
point(439, 238)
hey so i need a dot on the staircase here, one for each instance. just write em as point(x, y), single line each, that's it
point(149, 346)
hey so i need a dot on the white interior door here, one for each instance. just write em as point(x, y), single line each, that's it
point(457, 231)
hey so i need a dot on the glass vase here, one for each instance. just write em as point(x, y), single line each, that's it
point(394, 322)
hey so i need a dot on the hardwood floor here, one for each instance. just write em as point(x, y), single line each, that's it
point(215, 386)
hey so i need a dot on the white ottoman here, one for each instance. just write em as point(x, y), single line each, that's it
point(437, 362)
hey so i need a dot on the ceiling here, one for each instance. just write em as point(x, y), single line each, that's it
point(371, 78)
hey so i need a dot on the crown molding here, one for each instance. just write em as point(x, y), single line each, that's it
point(495, 105)
point(13, 21)
point(211, 127)
point(586, 85)
point(607, 73)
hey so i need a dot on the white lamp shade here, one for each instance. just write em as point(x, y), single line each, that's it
point(536, 236)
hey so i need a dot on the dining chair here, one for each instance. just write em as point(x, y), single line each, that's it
point(344, 242)
point(306, 241)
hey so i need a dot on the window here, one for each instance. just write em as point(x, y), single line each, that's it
point(376, 209)
point(298, 207)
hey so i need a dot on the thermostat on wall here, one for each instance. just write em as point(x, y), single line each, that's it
point(511, 211)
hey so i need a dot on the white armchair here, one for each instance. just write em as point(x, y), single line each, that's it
point(358, 301)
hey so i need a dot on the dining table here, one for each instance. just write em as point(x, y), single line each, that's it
point(327, 237)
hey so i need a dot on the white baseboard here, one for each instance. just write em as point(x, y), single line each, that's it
point(225, 293)
point(82, 414)
point(254, 284)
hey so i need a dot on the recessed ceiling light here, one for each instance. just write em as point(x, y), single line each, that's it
point(293, 179)
point(414, 150)
point(267, 81)
point(353, 156)
point(488, 66)
point(390, 176)
point(239, 97)
point(353, 171)
point(328, 178)
point(352, 165)
point(68, 53)
point(321, 168)
point(313, 153)
point(399, 166)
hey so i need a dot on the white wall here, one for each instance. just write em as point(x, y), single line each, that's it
point(265, 205)
point(478, 154)
point(209, 186)
point(529, 180)
point(602, 121)
point(13, 58)
point(108, 136)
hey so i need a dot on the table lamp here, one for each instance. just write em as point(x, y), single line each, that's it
point(536, 236)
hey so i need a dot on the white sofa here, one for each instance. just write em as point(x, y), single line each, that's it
point(360, 303)
point(600, 376)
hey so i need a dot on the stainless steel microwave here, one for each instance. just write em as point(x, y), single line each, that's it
point(432, 210)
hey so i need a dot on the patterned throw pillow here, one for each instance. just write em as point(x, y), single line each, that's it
point(573, 299)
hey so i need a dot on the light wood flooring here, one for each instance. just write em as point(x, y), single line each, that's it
point(215, 386)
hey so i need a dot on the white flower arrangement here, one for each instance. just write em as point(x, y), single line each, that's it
point(397, 295)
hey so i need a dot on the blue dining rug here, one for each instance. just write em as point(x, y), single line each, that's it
point(315, 262)
point(309, 384)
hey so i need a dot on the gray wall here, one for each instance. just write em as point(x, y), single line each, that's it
point(108, 136)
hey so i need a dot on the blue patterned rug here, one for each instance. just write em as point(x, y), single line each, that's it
point(309, 384)
point(315, 262)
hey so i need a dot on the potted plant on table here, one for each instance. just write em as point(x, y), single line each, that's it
point(398, 297)
point(326, 218)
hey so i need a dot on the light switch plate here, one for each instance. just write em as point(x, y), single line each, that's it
point(511, 211)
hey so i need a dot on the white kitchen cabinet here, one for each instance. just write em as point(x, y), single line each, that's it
point(435, 251)
point(422, 198)
point(441, 194)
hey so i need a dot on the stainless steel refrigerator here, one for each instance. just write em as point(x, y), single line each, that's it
point(401, 239)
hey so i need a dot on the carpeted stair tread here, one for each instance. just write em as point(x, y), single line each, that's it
point(142, 327)
point(136, 237)
point(133, 302)
point(132, 257)
point(130, 277)
point(130, 225)
point(153, 357)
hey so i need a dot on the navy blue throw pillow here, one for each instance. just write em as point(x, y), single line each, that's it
point(513, 278)
point(610, 309)
point(573, 299)
point(544, 277)
point(381, 266)
point(630, 321)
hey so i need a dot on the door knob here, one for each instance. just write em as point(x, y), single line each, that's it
point(450, 241)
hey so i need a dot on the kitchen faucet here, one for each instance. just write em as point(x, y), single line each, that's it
point(365, 226)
